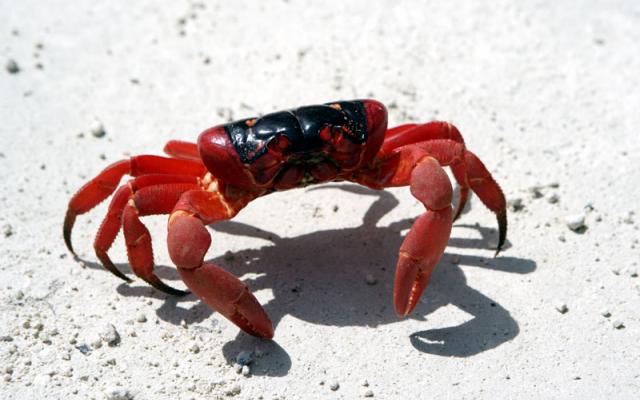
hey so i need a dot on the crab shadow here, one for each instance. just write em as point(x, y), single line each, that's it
point(321, 278)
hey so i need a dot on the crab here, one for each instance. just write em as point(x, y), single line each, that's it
point(235, 163)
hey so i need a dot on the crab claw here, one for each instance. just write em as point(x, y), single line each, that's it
point(422, 248)
point(189, 241)
point(418, 257)
point(226, 294)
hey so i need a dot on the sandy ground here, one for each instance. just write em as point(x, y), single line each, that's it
point(545, 92)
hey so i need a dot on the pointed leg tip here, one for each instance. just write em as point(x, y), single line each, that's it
point(109, 266)
point(163, 287)
point(457, 215)
point(69, 220)
point(502, 230)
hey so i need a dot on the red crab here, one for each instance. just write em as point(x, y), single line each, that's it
point(233, 164)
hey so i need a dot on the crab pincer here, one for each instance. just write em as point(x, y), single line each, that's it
point(424, 244)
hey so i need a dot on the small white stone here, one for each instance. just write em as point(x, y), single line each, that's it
point(605, 312)
point(368, 393)
point(575, 222)
point(141, 318)
point(12, 67)
point(515, 204)
point(246, 371)
point(97, 130)
point(8, 231)
point(618, 324)
point(109, 335)
point(334, 386)
point(234, 390)
point(194, 348)
point(238, 368)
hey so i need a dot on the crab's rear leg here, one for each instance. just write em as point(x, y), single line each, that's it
point(105, 183)
point(182, 150)
point(150, 200)
point(112, 222)
point(188, 242)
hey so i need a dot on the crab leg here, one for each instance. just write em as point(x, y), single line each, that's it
point(112, 222)
point(412, 133)
point(420, 165)
point(159, 199)
point(103, 185)
point(188, 242)
point(467, 167)
point(425, 243)
point(469, 172)
point(182, 150)
point(145, 195)
point(489, 193)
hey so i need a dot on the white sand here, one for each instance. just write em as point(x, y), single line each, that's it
point(545, 93)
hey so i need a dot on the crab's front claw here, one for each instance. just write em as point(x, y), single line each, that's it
point(226, 294)
point(422, 248)
point(189, 241)
point(418, 257)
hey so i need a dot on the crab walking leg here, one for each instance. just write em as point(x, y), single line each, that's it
point(426, 241)
point(431, 131)
point(159, 199)
point(465, 166)
point(188, 242)
point(182, 150)
point(399, 136)
point(397, 131)
point(487, 189)
point(112, 222)
point(102, 186)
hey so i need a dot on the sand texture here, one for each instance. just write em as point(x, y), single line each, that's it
point(546, 93)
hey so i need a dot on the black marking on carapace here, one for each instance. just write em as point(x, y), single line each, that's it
point(300, 126)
